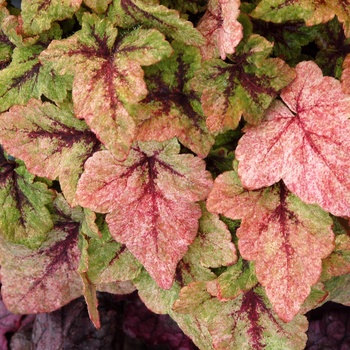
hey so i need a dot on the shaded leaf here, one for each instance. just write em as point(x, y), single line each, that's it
point(50, 140)
point(338, 289)
point(193, 6)
point(220, 28)
point(171, 107)
point(150, 200)
point(304, 142)
point(246, 86)
point(310, 11)
point(108, 75)
point(24, 215)
point(274, 222)
point(246, 322)
point(126, 13)
point(39, 14)
point(45, 279)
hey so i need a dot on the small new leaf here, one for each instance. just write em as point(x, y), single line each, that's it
point(303, 141)
point(274, 222)
point(150, 200)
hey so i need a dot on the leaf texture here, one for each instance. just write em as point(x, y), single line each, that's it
point(246, 87)
point(274, 222)
point(50, 140)
point(150, 200)
point(24, 216)
point(108, 75)
point(303, 141)
point(220, 28)
point(172, 108)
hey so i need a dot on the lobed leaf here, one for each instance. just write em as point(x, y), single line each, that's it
point(38, 15)
point(25, 217)
point(171, 107)
point(274, 222)
point(247, 322)
point(45, 279)
point(246, 86)
point(303, 141)
point(50, 141)
point(149, 199)
point(126, 13)
point(220, 28)
point(108, 75)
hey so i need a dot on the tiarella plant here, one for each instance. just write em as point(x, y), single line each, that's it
point(197, 152)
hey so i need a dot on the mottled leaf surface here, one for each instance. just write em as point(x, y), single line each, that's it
point(45, 279)
point(246, 322)
point(246, 86)
point(274, 223)
point(345, 78)
point(150, 200)
point(303, 141)
point(220, 28)
point(50, 140)
point(108, 75)
point(38, 15)
point(312, 12)
point(99, 6)
point(126, 13)
point(171, 107)
point(25, 77)
point(24, 214)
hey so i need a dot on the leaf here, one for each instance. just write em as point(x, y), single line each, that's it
point(50, 141)
point(246, 322)
point(171, 107)
point(345, 77)
point(99, 6)
point(193, 6)
point(310, 11)
point(126, 13)
point(27, 78)
point(45, 279)
point(274, 222)
point(304, 142)
point(39, 14)
point(246, 86)
point(149, 199)
point(6, 46)
point(212, 246)
point(220, 28)
point(109, 261)
point(108, 75)
point(24, 216)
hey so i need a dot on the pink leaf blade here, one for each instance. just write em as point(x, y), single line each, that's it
point(149, 199)
point(273, 225)
point(307, 149)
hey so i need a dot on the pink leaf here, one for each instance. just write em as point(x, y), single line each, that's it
point(305, 142)
point(221, 29)
point(150, 200)
point(285, 237)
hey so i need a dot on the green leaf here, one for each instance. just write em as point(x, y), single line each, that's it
point(246, 322)
point(99, 6)
point(50, 140)
point(24, 217)
point(171, 107)
point(38, 15)
point(126, 13)
point(109, 66)
point(247, 85)
point(193, 6)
